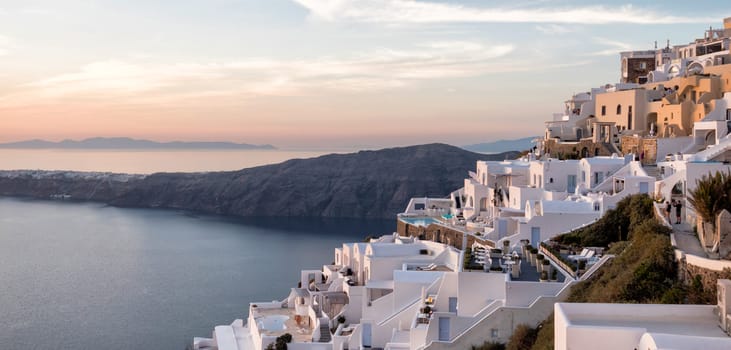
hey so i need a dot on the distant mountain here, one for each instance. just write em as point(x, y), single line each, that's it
point(502, 146)
point(364, 184)
point(128, 143)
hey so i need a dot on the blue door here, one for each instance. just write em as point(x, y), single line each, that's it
point(452, 304)
point(571, 184)
point(444, 328)
point(644, 187)
point(366, 338)
point(535, 236)
point(502, 228)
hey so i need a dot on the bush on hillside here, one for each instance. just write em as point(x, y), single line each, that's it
point(615, 225)
point(523, 338)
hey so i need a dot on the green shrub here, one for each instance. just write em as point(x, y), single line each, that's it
point(523, 338)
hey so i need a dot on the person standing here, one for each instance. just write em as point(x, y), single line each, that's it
point(668, 209)
point(678, 207)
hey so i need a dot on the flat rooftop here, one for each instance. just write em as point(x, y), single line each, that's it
point(690, 320)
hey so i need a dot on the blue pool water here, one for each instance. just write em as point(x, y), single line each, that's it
point(421, 221)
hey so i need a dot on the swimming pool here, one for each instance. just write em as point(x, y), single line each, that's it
point(420, 221)
point(272, 323)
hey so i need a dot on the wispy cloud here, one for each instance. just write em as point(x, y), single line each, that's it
point(411, 11)
point(372, 70)
point(614, 47)
point(552, 28)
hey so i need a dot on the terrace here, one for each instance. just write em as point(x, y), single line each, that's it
point(270, 319)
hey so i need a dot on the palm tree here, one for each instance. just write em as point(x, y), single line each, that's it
point(711, 195)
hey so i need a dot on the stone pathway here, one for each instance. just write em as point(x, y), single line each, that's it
point(687, 241)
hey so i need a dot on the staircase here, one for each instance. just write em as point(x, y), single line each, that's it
point(652, 171)
point(325, 336)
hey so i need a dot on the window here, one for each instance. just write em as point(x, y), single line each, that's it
point(494, 333)
point(550, 180)
point(596, 206)
point(643, 65)
point(619, 109)
point(598, 178)
point(583, 176)
point(419, 206)
point(604, 110)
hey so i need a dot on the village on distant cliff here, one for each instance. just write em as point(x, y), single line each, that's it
point(509, 246)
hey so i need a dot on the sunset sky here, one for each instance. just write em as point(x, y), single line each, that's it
point(315, 73)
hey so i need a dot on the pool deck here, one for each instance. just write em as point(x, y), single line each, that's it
point(299, 334)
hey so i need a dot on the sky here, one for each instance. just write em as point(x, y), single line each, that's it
point(316, 73)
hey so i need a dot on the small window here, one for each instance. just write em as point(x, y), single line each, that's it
point(550, 180)
point(419, 206)
point(596, 206)
point(604, 110)
point(494, 333)
point(619, 109)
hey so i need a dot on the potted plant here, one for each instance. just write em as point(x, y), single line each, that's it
point(539, 262)
point(582, 266)
point(546, 265)
point(554, 275)
point(533, 253)
point(544, 276)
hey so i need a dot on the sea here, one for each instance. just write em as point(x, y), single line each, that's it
point(89, 276)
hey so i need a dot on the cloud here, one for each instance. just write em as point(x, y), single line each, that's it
point(140, 78)
point(552, 28)
point(614, 47)
point(411, 11)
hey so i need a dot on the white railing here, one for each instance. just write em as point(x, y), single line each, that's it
point(596, 267)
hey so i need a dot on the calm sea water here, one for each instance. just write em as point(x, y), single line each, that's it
point(86, 276)
point(147, 161)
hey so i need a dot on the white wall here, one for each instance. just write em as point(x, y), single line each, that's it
point(525, 293)
point(599, 338)
point(477, 290)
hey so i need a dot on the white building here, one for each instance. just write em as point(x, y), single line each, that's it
point(645, 326)
point(398, 293)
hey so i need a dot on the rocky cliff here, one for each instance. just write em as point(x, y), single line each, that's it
point(364, 184)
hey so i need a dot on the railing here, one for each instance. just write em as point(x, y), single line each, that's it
point(397, 313)
point(557, 260)
point(482, 314)
point(594, 268)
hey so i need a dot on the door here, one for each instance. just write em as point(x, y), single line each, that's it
point(571, 184)
point(366, 336)
point(535, 236)
point(502, 228)
point(644, 187)
point(444, 328)
point(453, 304)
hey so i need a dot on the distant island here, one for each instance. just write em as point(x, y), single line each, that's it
point(366, 184)
point(130, 143)
point(502, 145)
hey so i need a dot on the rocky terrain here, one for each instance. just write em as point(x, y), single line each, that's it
point(364, 184)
